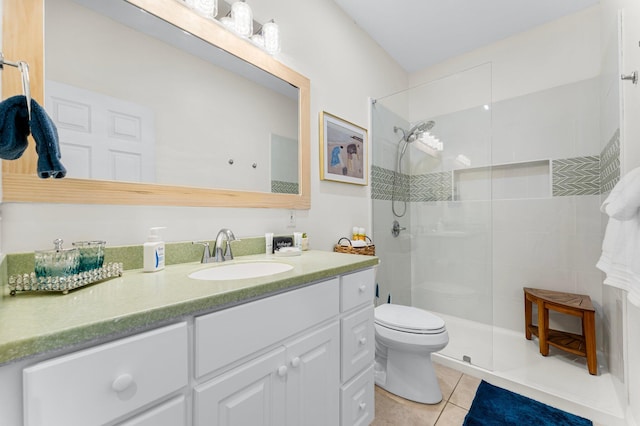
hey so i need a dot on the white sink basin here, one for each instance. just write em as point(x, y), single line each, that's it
point(238, 271)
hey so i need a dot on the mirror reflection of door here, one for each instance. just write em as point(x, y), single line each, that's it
point(284, 165)
point(102, 137)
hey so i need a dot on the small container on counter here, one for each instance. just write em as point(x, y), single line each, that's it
point(58, 262)
point(91, 254)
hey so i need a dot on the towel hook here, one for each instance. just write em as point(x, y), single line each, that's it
point(24, 71)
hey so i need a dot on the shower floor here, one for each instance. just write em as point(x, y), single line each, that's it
point(560, 379)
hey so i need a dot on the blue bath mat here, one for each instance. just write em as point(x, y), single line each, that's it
point(494, 406)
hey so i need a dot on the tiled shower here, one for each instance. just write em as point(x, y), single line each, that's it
point(511, 201)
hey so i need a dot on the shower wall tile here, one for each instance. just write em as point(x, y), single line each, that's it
point(425, 187)
point(588, 215)
point(610, 163)
point(576, 176)
point(560, 122)
point(431, 187)
point(382, 184)
point(570, 177)
point(282, 187)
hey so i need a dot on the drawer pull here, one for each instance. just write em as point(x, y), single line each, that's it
point(362, 341)
point(295, 363)
point(122, 382)
point(282, 370)
point(363, 405)
point(362, 288)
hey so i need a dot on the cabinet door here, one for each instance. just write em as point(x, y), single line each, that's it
point(313, 380)
point(172, 413)
point(251, 394)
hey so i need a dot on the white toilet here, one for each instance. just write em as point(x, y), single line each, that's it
point(405, 338)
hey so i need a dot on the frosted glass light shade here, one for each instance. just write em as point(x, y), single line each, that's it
point(242, 18)
point(208, 8)
point(271, 34)
point(258, 39)
point(228, 23)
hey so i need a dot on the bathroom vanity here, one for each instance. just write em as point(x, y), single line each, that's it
point(296, 348)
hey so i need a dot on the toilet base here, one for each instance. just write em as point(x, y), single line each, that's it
point(408, 375)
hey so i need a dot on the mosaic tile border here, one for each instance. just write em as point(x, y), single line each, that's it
point(575, 176)
point(588, 175)
point(432, 187)
point(283, 187)
point(382, 185)
point(426, 187)
point(610, 163)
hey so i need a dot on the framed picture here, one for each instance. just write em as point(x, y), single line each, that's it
point(343, 150)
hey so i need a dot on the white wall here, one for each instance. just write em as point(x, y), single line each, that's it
point(550, 55)
point(345, 67)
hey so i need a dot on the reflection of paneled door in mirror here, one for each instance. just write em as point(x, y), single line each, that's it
point(93, 127)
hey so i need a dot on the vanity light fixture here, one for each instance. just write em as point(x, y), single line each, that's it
point(238, 18)
point(271, 34)
point(227, 21)
point(242, 18)
point(258, 39)
point(208, 8)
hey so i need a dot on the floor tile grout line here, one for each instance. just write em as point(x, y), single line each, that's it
point(447, 401)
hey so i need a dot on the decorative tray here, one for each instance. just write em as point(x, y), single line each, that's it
point(29, 282)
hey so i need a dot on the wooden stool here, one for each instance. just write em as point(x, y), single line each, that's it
point(578, 305)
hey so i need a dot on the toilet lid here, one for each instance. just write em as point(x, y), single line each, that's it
point(408, 319)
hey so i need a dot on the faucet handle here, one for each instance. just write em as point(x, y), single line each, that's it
point(206, 254)
point(228, 255)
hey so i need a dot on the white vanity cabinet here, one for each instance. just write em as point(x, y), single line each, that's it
point(294, 382)
point(319, 372)
point(300, 357)
point(98, 385)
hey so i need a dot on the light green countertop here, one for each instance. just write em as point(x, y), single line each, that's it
point(33, 323)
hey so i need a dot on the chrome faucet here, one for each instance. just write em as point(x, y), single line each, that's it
point(228, 255)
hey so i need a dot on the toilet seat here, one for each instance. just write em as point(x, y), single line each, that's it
point(408, 319)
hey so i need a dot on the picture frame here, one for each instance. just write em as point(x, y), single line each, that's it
point(343, 150)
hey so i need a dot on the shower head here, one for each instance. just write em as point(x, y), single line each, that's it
point(416, 131)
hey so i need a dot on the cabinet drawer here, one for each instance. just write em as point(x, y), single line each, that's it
point(97, 385)
point(358, 400)
point(172, 413)
point(358, 342)
point(232, 334)
point(357, 289)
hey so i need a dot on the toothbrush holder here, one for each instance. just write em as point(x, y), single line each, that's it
point(91, 254)
point(58, 262)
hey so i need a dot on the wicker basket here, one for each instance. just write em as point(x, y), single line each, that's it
point(368, 250)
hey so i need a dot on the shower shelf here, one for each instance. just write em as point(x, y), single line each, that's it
point(527, 179)
point(31, 283)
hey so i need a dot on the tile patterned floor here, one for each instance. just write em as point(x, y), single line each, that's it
point(458, 390)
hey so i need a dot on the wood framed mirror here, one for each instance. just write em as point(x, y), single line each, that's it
point(23, 39)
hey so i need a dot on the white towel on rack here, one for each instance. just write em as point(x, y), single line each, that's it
point(620, 259)
point(624, 200)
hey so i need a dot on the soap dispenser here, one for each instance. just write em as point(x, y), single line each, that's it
point(153, 251)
